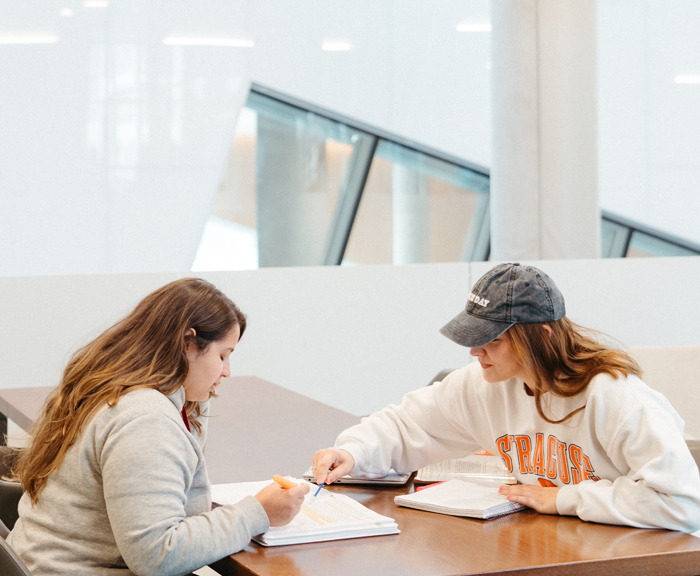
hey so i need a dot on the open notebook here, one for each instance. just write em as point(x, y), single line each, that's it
point(330, 516)
point(482, 465)
point(460, 497)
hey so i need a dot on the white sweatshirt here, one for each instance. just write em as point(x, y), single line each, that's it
point(622, 460)
point(132, 496)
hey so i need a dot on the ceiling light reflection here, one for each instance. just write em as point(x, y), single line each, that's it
point(195, 41)
point(65, 12)
point(687, 79)
point(336, 46)
point(474, 27)
point(27, 39)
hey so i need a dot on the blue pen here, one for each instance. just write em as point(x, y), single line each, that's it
point(319, 487)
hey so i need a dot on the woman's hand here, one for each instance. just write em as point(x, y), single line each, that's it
point(282, 504)
point(542, 499)
point(330, 464)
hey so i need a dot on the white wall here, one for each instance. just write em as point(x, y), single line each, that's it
point(409, 70)
point(649, 125)
point(354, 338)
point(637, 301)
point(52, 316)
point(112, 144)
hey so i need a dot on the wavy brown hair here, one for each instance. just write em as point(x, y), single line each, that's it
point(565, 361)
point(147, 349)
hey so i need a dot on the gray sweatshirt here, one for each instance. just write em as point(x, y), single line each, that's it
point(132, 496)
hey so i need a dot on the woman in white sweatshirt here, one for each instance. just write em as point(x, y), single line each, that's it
point(569, 416)
point(114, 480)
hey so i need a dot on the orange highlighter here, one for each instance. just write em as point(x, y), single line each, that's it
point(284, 482)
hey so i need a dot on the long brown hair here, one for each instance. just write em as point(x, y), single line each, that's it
point(147, 349)
point(564, 361)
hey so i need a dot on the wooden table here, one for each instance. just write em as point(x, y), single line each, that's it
point(522, 544)
point(258, 429)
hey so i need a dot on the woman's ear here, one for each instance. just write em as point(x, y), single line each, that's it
point(547, 329)
point(191, 344)
point(190, 336)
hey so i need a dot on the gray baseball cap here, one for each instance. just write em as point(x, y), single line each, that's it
point(507, 294)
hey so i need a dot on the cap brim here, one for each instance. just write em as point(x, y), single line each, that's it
point(471, 331)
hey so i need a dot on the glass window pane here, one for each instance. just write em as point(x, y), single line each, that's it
point(613, 239)
point(415, 208)
point(286, 171)
point(642, 245)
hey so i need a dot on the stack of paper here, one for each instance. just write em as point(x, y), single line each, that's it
point(460, 497)
point(330, 516)
point(480, 465)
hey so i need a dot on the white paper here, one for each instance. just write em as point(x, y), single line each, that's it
point(234, 493)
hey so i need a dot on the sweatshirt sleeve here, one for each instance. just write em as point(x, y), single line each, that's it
point(148, 465)
point(427, 427)
point(660, 485)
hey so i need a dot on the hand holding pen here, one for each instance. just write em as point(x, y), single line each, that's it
point(289, 484)
point(282, 504)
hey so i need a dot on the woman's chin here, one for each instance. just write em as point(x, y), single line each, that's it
point(490, 376)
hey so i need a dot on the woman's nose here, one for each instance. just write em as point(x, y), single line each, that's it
point(227, 369)
point(477, 351)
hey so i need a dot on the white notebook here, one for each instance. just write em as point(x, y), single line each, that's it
point(330, 516)
point(460, 497)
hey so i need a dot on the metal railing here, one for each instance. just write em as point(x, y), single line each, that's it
point(622, 238)
point(412, 172)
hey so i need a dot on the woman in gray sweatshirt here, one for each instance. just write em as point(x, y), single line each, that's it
point(114, 478)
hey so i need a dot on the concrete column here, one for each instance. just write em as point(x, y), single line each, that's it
point(292, 196)
point(544, 178)
point(411, 216)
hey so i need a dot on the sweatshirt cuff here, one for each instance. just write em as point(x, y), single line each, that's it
point(257, 520)
point(357, 451)
point(567, 501)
